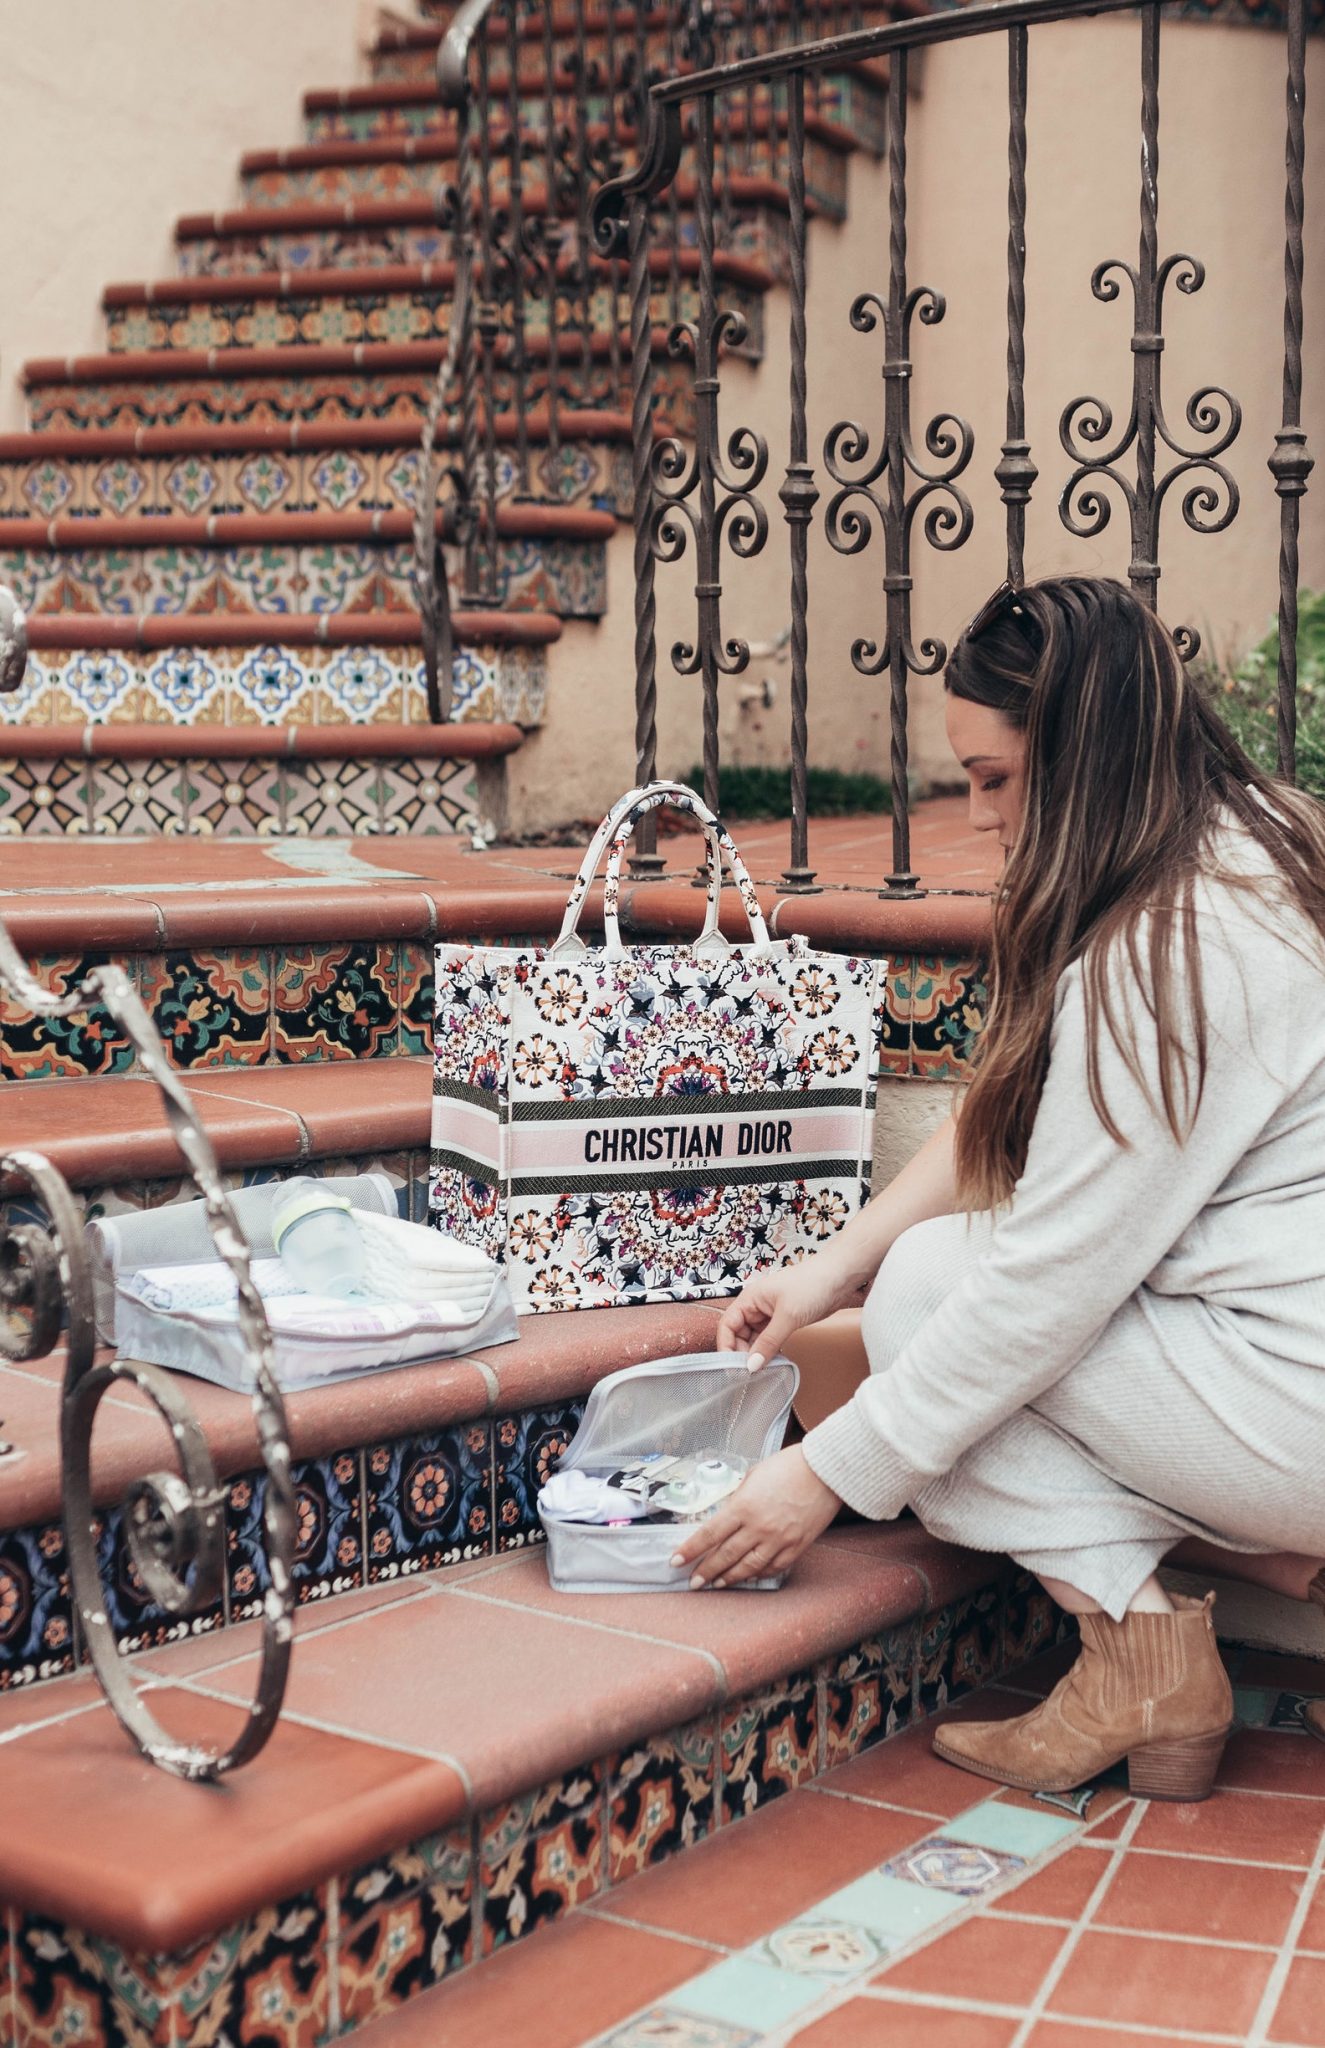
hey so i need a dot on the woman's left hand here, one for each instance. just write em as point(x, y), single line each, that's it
point(775, 1514)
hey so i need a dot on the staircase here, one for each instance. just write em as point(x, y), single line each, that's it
point(220, 773)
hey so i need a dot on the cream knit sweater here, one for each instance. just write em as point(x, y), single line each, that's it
point(1234, 1216)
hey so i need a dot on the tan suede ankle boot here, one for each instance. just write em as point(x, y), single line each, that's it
point(1150, 1688)
point(1313, 1714)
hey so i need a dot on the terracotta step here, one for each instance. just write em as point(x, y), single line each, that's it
point(392, 166)
point(551, 558)
point(321, 383)
point(853, 99)
point(388, 302)
point(421, 1804)
point(359, 233)
point(362, 466)
point(250, 668)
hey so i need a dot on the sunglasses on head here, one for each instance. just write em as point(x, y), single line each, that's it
point(1005, 602)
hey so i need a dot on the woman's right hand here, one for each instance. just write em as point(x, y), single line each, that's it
point(774, 1305)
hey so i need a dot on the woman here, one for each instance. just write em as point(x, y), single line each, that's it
point(1098, 1332)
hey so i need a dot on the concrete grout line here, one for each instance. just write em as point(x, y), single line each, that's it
point(946, 2002)
point(876, 1805)
point(1054, 1975)
point(596, 1911)
point(428, 1756)
point(1283, 1962)
point(605, 1628)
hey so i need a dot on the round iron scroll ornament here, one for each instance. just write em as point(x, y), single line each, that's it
point(175, 1521)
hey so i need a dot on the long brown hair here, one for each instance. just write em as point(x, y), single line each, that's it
point(1127, 769)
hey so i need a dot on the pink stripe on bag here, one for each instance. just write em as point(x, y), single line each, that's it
point(649, 1145)
point(463, 1127)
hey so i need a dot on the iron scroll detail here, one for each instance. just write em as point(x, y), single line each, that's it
point(174, 1519)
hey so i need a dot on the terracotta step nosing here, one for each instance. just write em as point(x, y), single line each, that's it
point(36, 445)
point(157, 741)
point(307, 284)
point(312, 359)
point(70, 630)
point(517, 519)
point(744, 188)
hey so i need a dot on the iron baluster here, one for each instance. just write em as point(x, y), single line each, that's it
point(1015, 473)
point(518, 253)
point(608, 163)
point(751, 45)
point(673, 196)
point(578, 158)
point(489, 326)
point(551, 245)
point(737, 516)
point(1291, 464)
point(1208, 505)
point(799, 495)
point(948, 440)
point(431, 583)
point(645, 859)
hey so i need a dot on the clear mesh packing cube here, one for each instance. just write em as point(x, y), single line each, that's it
point(703, 1402)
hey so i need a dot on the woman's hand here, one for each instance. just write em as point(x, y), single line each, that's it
point(775, 1514)
point(772, 1306)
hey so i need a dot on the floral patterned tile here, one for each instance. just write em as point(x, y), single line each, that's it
point(418, 1928)
point(47, 1048)
point(769, 1744)
point(139, 1623)
point(660, 1798)
point(867, 1693)
point(541, 1855)
point(958, 1648)
point(36, 1606)
point(527, 1449)
point(337, 1002)
point(328, 1555)
point(943, 1864)
point(895, 1034)
point(415, 987)
point(138, 797)
point(66, 1988)
point(948, 1000)
point(235, 799)
point(211, 1009)
point(1028, 1621)
point(265, 1981)
point(429, 1501)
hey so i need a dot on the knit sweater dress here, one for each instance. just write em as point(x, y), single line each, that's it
point(1134, 1348)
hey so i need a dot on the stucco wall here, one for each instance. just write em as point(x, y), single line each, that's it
point(114, 119)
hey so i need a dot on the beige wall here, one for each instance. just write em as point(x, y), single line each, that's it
point(116, 118)
point(1221, 198)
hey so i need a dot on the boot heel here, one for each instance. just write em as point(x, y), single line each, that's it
point(1177, 1770)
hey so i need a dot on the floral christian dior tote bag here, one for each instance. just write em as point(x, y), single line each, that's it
point(650, 1123)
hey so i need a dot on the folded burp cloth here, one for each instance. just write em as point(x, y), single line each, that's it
point(410, 1262)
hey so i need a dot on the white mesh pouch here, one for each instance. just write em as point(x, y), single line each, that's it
point(703, 1401)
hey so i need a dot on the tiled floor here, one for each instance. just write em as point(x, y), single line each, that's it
point(848, 853)
point(900, 1904)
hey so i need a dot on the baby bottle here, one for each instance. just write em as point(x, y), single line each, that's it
point(314, 1233)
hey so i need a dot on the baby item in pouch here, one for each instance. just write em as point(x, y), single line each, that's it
point(656, 1486)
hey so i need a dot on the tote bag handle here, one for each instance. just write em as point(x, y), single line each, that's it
point(617, 829)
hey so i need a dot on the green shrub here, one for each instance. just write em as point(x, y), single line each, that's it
point(750, 793)
point(1247, 700)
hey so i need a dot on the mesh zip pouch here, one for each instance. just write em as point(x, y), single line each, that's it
point(703, 1401)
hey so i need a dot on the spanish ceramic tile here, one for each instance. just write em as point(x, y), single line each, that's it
point(660, 1798)
point(943, 1864)
point(336, 1002)
point(139, 1623)
point(527, 1449)
point(948, 999)
point(36, 1608)
point(866, 1693)
point(540, 1855)
point(211, 1009)
point(1028, 1621)
point(328, 1555)
point(43, 1048)
point(132, 797)
point(429, 1501)
point(228, 799)
point(769, 1744)
point(404, 1924)
point(265, 1980)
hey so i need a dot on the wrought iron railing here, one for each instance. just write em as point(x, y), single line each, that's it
point(548, 102)
point(175, 1523)
point(700, 499)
